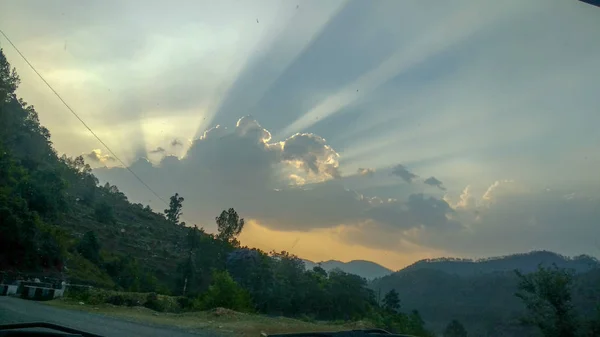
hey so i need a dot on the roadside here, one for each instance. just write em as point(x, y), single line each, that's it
point(217, 321)
point(16, 310)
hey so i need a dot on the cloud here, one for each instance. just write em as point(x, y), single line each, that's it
point(418, 211)
point(403, 173)
point(294, 186)
point(158, 150)
point(509, 216)
point(96, 156)
point(311, 153)
point(270, 182)
point(432, 181)
point(176, 142)
point(369, 172)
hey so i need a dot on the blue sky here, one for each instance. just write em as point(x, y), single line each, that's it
point(496, 100)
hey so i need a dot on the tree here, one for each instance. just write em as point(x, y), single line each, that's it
point(546, 294)
point(89, 247)
point(104, 213)
point(391, 301)
point(417, 324)
point(174, 211)
point(225, 292)
point(229, 225)
point(9, 80)
point(193, 237)
point(592, 326)
point(455, 329)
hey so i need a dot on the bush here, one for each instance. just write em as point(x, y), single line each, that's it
point(152, 302)
point(224, 292)
point(185, 303)
point(116, 299)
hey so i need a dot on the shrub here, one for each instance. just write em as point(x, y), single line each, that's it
point(225, 292)
point(152, 302)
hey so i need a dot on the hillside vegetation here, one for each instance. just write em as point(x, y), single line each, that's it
point(481, 293)
point(526, 262)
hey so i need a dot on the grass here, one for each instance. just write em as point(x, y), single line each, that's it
point(220, 320)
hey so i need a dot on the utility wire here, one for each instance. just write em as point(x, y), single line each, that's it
point(81, 120)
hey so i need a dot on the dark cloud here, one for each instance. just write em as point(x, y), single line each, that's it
point(401, 171)
point(176, 142)
point(418, 210)
point(241, 168)
point(369, 172)
point(239, 162)
point(432, 181)
point(429, 211)
point(513, 218)
point(158, 150)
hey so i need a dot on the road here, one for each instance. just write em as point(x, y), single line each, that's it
point(16, 310)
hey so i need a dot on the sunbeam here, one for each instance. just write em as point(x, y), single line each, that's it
point(428, 44)
point(285, 34)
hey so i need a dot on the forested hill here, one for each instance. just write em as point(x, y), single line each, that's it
point(481, 293)
point(526, 262)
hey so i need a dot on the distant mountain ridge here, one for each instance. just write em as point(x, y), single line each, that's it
point(481, 293)
point(525, 262)
point(367, 269)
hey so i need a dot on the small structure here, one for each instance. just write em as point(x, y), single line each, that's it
point(26, 287)
point(41, 291)
point(8, 289)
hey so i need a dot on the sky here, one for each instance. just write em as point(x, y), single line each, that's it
point(387, 130)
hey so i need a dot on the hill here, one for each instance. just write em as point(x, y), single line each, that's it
point(480, 293)
point(367, 269)
point(526, 262)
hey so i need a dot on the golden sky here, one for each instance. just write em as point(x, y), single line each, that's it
point(322, 245)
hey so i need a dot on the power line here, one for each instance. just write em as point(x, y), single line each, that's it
point(81, 120)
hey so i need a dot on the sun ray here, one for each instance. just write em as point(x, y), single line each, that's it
point(430, 43)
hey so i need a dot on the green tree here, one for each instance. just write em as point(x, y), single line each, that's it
point(127, 273)
point(89, 247)
point(455, 329)
point(9, 80)
point(225, 292)
point(193, 237)
point(391, 301)
point(592, 326)
point(174, 211)
point(104, 213)
point(229, 225)
point(546, 294)
point(417, 325)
